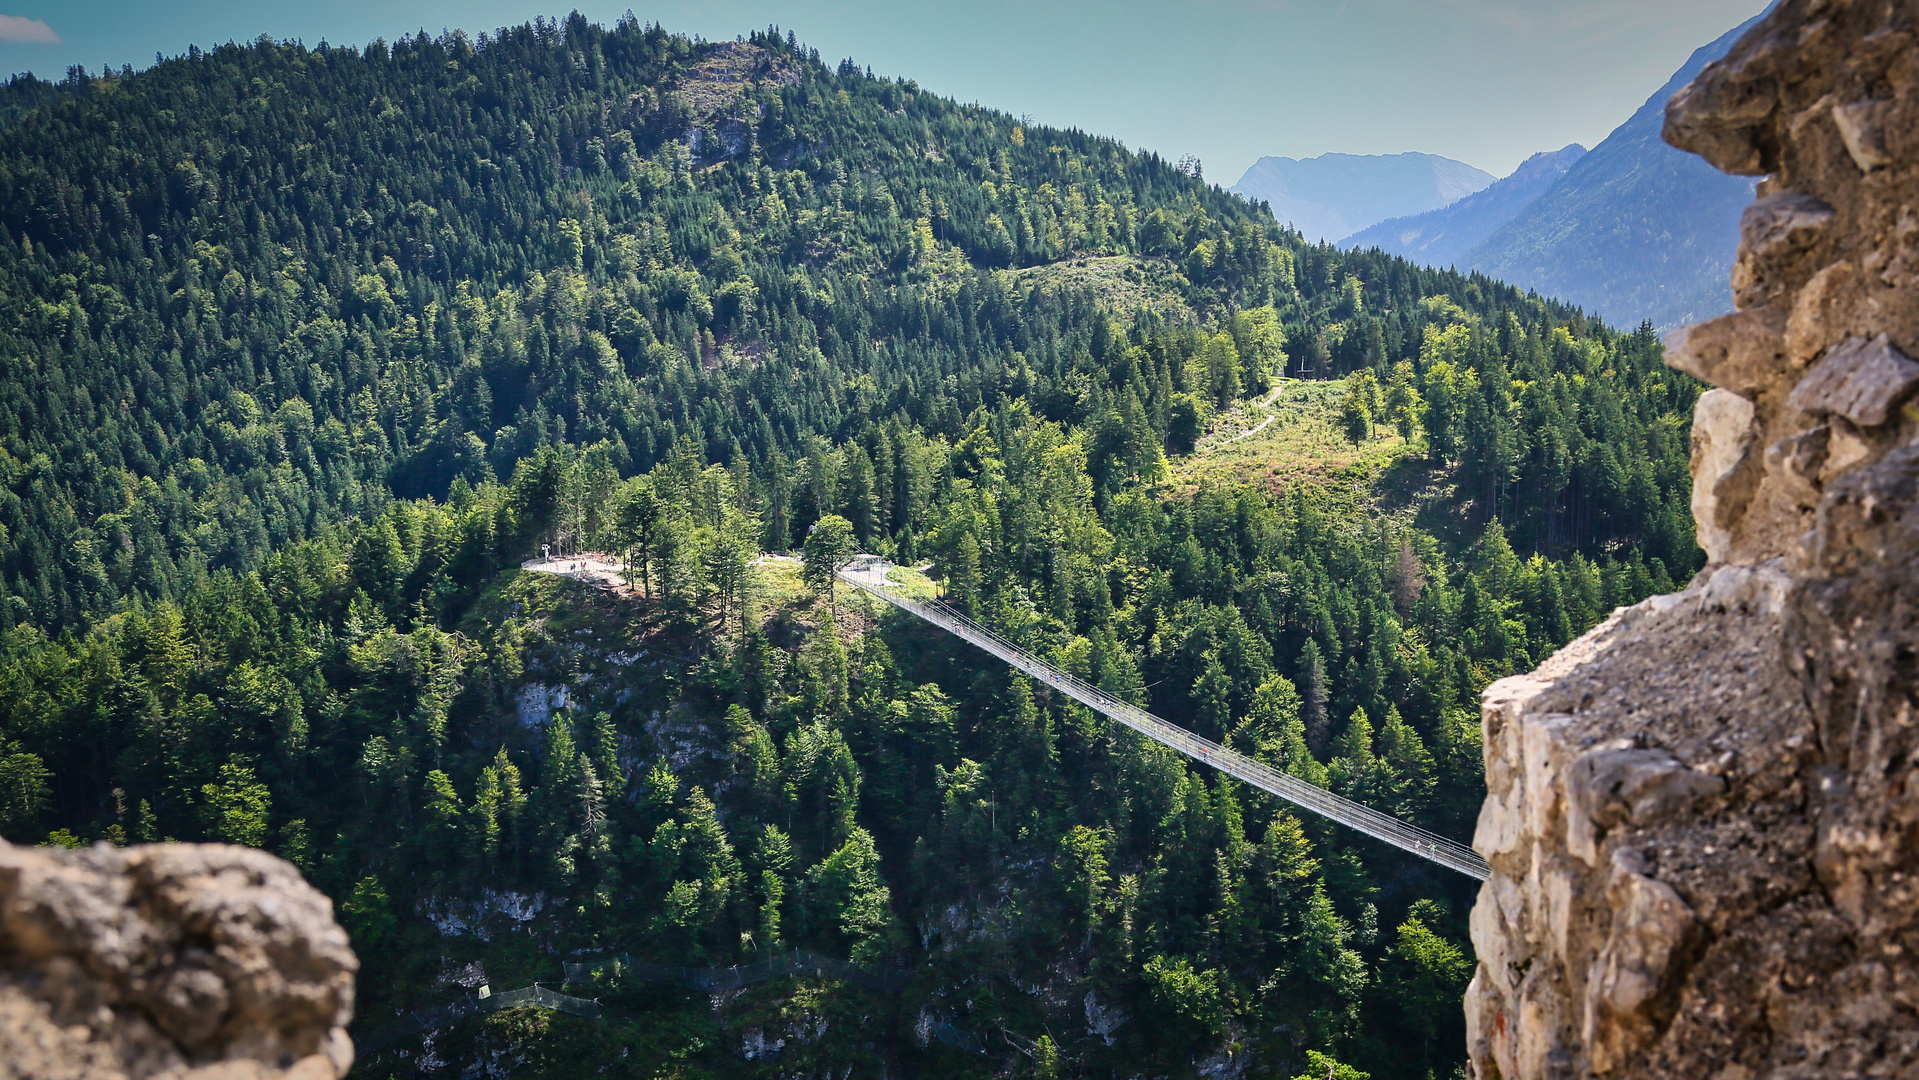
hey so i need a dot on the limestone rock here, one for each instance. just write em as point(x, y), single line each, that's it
point(1650, 928)
point(1862, 126)
point(1824, 304)
point(171, 962)
point(1743, 352)
point(1597, 767)
point(1723, 469)
point(1860, 380)
point(1720, 122)
point(1796, 461)
point(1699, 816)
point(1615, 785)
point(1772, 232)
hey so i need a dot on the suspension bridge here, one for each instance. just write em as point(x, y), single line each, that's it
point(869, 574)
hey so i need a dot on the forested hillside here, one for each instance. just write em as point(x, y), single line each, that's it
point(306, 349)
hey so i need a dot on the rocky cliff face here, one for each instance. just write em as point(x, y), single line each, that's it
point(1703, 817)
point(174, 961)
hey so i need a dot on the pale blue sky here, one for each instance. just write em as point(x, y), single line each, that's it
point(1484, 81)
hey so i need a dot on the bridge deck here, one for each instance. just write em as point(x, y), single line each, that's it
point(870, 577)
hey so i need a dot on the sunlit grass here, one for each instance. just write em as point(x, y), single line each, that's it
point(1303, 443)
point(1123, 283)
point(912, 583)
point(777, 583)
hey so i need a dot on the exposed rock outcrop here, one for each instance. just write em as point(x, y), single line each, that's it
point(174, 961)
point(1703, 817)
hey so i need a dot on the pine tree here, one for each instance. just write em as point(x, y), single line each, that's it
point(830, 547)
point(1314, 693)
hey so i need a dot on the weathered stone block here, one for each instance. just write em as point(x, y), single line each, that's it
point(174, 961)
point(1701, 825)
point(1743, 352)
point(1860, 380)
point(1723, 470)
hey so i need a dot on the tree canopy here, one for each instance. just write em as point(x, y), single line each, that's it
point(305, 350)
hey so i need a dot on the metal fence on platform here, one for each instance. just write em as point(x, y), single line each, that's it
point(425, 1020)
point(959, 1039)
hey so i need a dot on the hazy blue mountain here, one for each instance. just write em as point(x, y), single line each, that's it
point(1335, 195)
point(1636, 229)
point(1440, 237)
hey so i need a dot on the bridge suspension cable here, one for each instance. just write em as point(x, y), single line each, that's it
point(870, 577)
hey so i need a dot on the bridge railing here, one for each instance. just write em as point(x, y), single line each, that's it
point(891, 980)
point(1381, 826)
point(425, 1020)
point(717, 980)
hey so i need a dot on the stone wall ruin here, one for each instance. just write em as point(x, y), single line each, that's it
point(1703, 816)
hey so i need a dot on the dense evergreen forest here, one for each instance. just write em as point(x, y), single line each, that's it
point(306, 349)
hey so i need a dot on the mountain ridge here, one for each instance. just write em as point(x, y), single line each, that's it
point(1441, 237)
point(1635, 230)
point(1334, 195)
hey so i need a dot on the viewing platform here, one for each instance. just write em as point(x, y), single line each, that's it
point(594, 568)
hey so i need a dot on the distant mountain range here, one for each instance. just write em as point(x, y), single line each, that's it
point(1336, 195)
point(1442, 237)
point(1635, 229)
point(1632, 231)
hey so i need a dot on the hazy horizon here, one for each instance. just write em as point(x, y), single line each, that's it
point(1480, 81)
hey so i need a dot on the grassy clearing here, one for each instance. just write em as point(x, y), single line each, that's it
point(1123, 283)
point(562, 609)
point(777, 583)
point(913, 583)
point(788, 608)
point(1303, 443)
